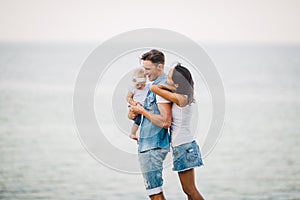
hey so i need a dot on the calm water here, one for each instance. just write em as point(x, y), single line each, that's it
point(41, 156)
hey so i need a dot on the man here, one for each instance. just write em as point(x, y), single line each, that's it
point(154, 138)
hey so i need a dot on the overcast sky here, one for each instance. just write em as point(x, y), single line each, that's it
point(225, 21)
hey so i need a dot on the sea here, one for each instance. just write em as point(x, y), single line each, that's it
point(43, 156)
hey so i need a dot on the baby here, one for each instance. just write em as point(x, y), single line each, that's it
point(136, 95)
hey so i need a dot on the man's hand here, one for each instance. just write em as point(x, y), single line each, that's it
point(131, 114)
point(138, 109)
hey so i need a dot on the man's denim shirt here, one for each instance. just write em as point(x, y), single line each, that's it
point(152, 136)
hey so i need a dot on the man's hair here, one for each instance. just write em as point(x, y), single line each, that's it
point(155, 56)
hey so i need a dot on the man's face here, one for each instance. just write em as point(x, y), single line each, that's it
point(152, 71)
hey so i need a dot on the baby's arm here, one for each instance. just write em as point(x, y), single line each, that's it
point(130, 100)
point(165, 92)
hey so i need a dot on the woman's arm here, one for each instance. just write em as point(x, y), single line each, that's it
point(164, 92)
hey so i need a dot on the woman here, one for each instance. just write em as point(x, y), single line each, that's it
point(186, 153)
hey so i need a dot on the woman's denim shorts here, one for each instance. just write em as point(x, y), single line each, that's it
point(186, 156)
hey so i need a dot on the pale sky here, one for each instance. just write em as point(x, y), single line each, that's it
point(211, 21)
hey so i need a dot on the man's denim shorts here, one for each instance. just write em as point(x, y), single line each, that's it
point(151, 163)
point(186, 156)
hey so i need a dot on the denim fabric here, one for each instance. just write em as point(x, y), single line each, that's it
point(152, 136)
point(186, 156)
point(137, 120)
point(151, 163)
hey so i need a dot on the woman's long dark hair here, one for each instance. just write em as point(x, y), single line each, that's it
point(183, 78)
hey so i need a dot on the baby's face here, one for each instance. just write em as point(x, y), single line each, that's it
point(140, 85)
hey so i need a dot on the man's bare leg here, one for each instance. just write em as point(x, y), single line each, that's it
point(159, 196)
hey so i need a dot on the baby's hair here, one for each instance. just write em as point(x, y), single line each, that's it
point(138, 73)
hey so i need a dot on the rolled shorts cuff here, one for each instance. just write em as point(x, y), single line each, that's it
point(134, 124)
point(154, 191)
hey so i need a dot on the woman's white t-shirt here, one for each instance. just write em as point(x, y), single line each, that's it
point(180, 127)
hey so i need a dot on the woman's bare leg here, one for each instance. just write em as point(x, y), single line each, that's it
point(187, 180)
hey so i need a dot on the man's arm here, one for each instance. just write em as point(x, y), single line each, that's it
point(165, 110)
point(163, 119)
